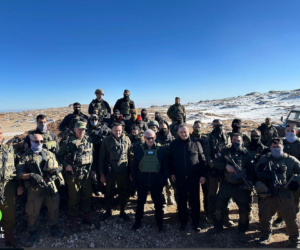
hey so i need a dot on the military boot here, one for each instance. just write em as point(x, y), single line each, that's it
point(196, 227)
point(10, 239)
point(124, 216)
point(33, 236)
point(74, 224)
point(87, 219)
point(56, 233)
point(182, 227)
point(278, 222)
point(171, 201)
point(106, 215)
point(136, 225)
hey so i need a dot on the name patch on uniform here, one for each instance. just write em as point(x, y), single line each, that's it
point(150, 152)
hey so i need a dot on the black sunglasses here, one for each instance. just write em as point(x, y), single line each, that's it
point(37, 141)
point(149, 138)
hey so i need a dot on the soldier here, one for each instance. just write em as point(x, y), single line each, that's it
point(187, 168)
point(39, 168)
point(133, 121)
point(149, 172)
point(214, 143)
point(114, 165)
point(164, 139)
point(125, 105)
point(144, 115)
point(135, 138)
point(291, 145)
point(97, 132)
point(236, 128)
point(197, 136)
point(176, 109)
point(102, 107)
point(174, 126)
point(274, 171)
point(68, 123)
point(9, 188)
point(50, 139)
point(76, 156)
point(116, 117)
point(153, 125)
point(236, 162)
point(158, 117)
point(268, 131)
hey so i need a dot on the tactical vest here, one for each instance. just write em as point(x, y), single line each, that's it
point(118, 150)
point(125, 108)
point(216, 144)
point(178, 109)
point(10, 169)
point(84, 151)
point(268, 133)
point(149, 162)
point(282, 165)
point(49, 143)
point(100, 106)
point(256, 154)
point(292, 148)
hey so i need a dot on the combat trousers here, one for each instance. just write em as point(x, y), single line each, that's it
point(268, 207)
point(188, 191)
point(242, 197)
point(155, 191)
point(123, 184)
point(79, 196)
point(35, 199)
point(212, 185)
point(8, 208)
point(296, 195)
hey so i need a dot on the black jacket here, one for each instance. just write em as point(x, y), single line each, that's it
point(149, 178)
point(91, 106)
point(67, 121)
point(186, 159)
point(119, 102)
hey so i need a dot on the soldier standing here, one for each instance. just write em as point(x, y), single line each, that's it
point(176, 109)
point(114, 165)
point(144, 115)
point(268, 131)
point(125, 105)
point(237, 128)
point(274, 171)
point(101, 107)
point(149, 172)
point(40, 169)
point(76, 155)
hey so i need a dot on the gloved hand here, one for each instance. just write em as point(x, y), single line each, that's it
point(294, 185)
point(214, 173)
point(36, 177)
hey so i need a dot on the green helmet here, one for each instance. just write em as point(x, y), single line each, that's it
point(261, 189)
point(99, 91)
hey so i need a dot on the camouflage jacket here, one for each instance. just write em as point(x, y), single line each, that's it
point(7, 155)
point(176, 109)
point(292, 148)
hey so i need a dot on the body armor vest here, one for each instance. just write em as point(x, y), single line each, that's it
point(149, 162)
point(10, 169)
point(100, 106)
point(125, 108)
point(84, 153)
point(49, 143)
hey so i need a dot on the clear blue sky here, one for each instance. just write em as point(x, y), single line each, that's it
point(53, 53)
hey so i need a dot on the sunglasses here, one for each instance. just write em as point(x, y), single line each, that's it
point(37, 141)
point(149, 138)
point(255, 136)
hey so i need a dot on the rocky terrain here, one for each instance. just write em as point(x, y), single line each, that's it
point(252, 108)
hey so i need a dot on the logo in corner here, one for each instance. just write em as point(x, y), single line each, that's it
point(0, 215)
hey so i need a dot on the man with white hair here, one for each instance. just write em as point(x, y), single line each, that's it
point(149, 172)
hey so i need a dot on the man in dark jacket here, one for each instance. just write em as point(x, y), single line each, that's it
point(101, 107)
point(144, 115)
point(149, 172)
point(187, 168)
point(268, 131)
point(125, 105)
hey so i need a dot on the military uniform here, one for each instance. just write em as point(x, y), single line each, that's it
point(8, 187)
point(40, 164)
point(267, 133)
point(246, 138)
point(114, 162)
point(102, 107)
point(79, 154)
point(174, 110)
point(125, 107)
point(272, 198)
point(233, 188)
point(213, 146)
point(174, 129)
point(68, 123)
point(50, 141)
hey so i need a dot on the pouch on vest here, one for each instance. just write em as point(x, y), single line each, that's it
point(150, 162)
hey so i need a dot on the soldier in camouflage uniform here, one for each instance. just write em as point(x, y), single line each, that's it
point(274, 171)
point(101, 107)
point(125, 105)
point(214, 143)
point(76, 156)
point(68, 123)
point(237, 128)
point(8, 190)
point(174, 126)
point(232, 187)
point(176, 109)
point(153, 125)
point(164, 139)
point(197, 136)
point(268, 131)
point(50, 139)
point(114, 165)
point(39, 168)
point(97, 131)
point(291, 145)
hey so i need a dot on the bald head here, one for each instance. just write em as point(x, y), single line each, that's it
point(149, 137)
point(37, 137)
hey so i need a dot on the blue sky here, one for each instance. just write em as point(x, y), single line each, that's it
point(53, 53)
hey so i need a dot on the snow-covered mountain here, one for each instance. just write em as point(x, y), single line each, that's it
point(253, 106)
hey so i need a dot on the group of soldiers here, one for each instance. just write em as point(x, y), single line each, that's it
point(126, 154)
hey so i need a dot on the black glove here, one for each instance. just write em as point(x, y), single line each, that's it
point(214, 173)
point(294, 185)
point(36, 177)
